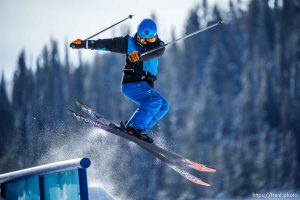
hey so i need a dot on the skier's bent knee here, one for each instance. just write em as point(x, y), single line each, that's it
point(165, 106)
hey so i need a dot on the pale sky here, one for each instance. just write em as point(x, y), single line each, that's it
point(29, 24)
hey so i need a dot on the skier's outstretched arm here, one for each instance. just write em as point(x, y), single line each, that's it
point(117, 44)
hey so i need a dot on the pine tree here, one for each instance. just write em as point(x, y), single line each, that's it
point(57, 82)
point(287, 64)
point(8, 137)
point(192, 68)
point(22, 97)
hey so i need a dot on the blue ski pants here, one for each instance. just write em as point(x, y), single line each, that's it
point(152, 106)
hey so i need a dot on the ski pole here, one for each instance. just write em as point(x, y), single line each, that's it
point(182, 38)
point(129, 17)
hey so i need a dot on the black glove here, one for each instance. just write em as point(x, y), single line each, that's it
point(78, 44)
point(86, 44)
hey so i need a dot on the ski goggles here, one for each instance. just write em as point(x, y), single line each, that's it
point(147, 40)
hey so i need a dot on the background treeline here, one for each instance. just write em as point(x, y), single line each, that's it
point(234, 95)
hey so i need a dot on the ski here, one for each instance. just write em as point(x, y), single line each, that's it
point(164, 159)
point(183, 173)
point(176, 157)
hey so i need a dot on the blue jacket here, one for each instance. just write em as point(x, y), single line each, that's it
point(143, 70)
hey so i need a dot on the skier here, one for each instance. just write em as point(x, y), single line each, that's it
point(139, 74)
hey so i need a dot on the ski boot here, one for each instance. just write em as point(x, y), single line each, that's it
point(139, 134)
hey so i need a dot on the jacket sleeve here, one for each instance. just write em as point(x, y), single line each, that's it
point(155, 54)
point(117, 44)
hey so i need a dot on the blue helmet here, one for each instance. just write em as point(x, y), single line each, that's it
point(147, 29)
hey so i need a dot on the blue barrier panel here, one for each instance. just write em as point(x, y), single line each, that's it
point(62, 180)
point(62, 185)
point(23, 189)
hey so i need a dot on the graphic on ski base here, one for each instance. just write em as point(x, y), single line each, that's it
point(172, 160)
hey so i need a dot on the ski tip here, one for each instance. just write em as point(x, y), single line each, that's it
point(200, 182)
point(78, 102)
point(208, 185)
point(202, 168)
point(214, 170)
point(70, 112)
point(209, 169)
